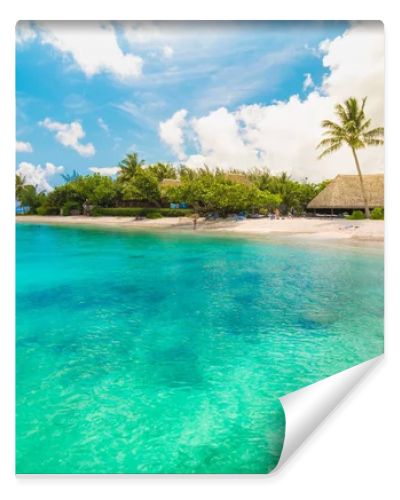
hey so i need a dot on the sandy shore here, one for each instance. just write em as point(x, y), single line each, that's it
point(357, 233)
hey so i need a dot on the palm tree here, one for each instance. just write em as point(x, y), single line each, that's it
point(129, 166)
point(353, 130)
point(19, 185)
point(71, 177)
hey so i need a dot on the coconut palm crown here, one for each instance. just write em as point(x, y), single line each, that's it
point(129, 166)
point(352, 130)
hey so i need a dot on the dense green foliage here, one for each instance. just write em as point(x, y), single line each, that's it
point(47, 211)
point(93, 189)
point(210, 191)
point(356, 215)
point(27, 195)
point(294, 195)
point(143, 186)
point(377, 214)
point(156, 214)
point(204, 190)
point(70, 206)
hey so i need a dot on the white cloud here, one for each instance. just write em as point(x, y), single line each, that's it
point(106, 171)
point(24, 33)
point(222, 142)
point(357, 64)
point(93, 46)
point(308, 82)
point(160, 37)
point(102, 124)
point(168, 51)
point(23, 147)
point(69, 135)
point(38, 175)
point(283, 135)
point(171, 132)
point(142, 32)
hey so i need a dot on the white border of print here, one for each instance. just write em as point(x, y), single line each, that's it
point(353, 454)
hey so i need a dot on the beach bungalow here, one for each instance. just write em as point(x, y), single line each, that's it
point(343, 194)
point(166, 183)
point(239, 178)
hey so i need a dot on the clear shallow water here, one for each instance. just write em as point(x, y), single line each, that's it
point(158, 353)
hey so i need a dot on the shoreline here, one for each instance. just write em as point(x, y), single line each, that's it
point(332, 232)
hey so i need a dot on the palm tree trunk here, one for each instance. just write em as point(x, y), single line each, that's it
point(366, 207)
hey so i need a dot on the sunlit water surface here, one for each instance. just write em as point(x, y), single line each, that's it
point(156, 353)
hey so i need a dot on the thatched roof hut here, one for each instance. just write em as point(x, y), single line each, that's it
point(344, 193)
point(170, 183)
point(239, 178)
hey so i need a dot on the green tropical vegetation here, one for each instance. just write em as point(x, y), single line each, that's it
point(354, 131)
point(27, 195)
point(157, 190)
point(150, 190)
point(377, 214)
point(356, 215)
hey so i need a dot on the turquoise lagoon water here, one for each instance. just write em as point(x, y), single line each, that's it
point(155, 353)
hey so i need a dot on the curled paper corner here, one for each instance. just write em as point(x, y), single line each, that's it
point(308, 407)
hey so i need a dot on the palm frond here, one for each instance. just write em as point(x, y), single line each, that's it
point(364, 100)
point(351, 105)
point(341, 113)
point(375, 132)
point(365, 125)
point(357, 143)
point(374, 142)
point(328, 124)
point(330, 150)
point(328, 141)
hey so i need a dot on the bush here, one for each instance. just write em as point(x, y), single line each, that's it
point(118, 212)
point(154, 215)
point(176, 212)
point(377, 214)
point(69, 206)
point(356, 215)
point(150, 213)
point(48, 211)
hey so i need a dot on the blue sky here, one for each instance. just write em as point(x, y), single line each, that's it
point(199, 67)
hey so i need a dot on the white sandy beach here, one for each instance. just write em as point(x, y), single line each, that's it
point(368, 232)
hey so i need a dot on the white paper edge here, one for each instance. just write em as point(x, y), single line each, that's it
point(308, 407)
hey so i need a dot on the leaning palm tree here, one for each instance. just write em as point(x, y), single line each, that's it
point(354, 130)
point(129, 166)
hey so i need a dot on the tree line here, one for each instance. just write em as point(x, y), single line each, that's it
point(158, 185)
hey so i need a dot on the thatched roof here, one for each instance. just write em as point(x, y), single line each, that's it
point(170, 182)
point(240, 178)
point(344, 192)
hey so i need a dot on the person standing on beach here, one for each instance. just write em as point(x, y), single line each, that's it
point(195, 217)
